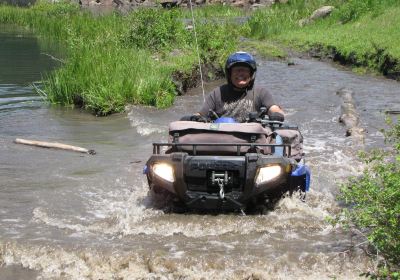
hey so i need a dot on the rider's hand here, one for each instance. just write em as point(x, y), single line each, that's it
point(276, 116)
point(198, 118)
point(194, 118)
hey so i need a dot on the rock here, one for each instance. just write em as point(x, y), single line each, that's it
point(240, 4)
point(319, 13)
point(350, 117)
point(94, 3)
point(127, 5)
point(169, 3)
point(322, 12)
point(266, 3)
point(257, 6)
point(291, 63)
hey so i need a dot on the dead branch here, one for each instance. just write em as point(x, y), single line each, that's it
point(54, 145)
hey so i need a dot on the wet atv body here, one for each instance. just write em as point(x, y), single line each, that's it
point(228, 166)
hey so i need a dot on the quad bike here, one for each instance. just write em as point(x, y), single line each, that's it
point(220, 165)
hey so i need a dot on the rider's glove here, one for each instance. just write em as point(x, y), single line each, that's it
point(193, 118)
point(276, 116)
point(198, 118)
point(186, 118)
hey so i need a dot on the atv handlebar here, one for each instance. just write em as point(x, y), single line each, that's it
point(257, 117)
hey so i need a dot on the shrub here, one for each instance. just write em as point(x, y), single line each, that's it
point(374, 203)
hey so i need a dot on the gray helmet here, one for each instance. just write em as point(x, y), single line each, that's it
point(241, 58)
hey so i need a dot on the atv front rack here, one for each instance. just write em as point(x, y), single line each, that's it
point(286, 148)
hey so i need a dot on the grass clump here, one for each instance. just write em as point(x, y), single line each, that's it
point(155, 30)
point(115, 60)
point(374, 205)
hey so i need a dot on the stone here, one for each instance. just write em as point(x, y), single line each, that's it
point(240, 3)
point(257, 6)
point(322, 12)
point(319, 13)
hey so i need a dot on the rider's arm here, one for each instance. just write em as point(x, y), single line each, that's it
point(275, 113)
point(266, 100)
point(275, 109)
point(209, 104)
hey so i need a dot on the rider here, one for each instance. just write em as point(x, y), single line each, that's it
point(238, 97)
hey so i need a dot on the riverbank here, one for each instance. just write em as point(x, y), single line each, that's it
point(149, 55)
point(362, 35)
point(114, 60)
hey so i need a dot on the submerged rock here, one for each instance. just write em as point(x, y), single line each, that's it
point(350, 117)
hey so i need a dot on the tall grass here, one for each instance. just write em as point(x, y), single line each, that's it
point(361, 32)
point(213, 11)
point(115, 60)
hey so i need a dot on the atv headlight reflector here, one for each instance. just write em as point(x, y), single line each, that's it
point(165, 171)
point(268, 173)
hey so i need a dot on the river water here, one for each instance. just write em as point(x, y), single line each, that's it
point(65, 215)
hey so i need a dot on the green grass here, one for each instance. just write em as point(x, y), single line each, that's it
point(264, 49)
point(115, 60)
point(216, 11)
point(363, 33)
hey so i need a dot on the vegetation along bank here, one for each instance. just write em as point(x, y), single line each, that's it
point(115, 59)
point(362, 34)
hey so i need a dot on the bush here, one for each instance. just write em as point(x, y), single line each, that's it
point(374, 203)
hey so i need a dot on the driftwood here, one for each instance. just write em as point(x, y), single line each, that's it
point(54, 145)
point(392, 112)
point(350, 117)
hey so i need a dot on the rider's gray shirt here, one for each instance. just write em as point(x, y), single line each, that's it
point(227, 102)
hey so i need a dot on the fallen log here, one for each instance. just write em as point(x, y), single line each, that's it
point(350, 117)
point(54, 145)
point(392, 112)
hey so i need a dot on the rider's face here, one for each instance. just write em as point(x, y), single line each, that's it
point(240, 76)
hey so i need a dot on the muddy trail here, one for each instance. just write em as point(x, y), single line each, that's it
point(65, 215)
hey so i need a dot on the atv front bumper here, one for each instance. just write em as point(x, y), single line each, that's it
point(222, 182)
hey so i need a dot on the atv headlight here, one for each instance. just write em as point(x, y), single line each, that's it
point(165, 171)
point(268, 173)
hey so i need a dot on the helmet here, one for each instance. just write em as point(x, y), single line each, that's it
point(241, 58)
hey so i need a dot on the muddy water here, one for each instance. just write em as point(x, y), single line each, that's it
point(65, 215)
